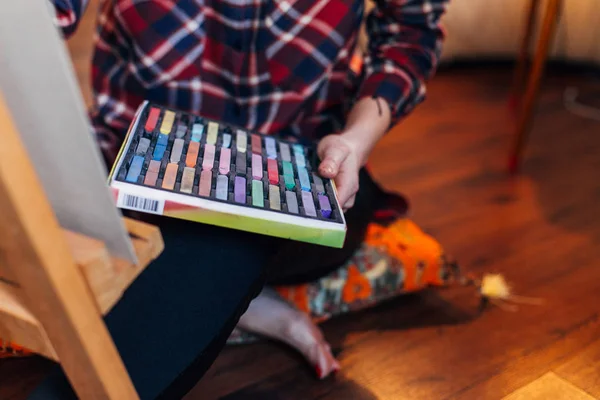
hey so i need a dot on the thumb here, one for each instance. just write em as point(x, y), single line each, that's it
point(332, 155)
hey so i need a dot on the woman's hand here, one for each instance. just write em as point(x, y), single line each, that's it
point(340, 162)
point(343, 155)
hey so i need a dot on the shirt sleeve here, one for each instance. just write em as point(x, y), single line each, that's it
point(68, 14)
point(405, 38)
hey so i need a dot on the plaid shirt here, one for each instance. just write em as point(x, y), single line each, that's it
point(273, 66)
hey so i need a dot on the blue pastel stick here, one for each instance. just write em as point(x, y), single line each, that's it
point(226, 140)
point(197, 130)
point(270, 147)
point(159, 152)
point(135, 169)
point(162, 140)
point(304, 180)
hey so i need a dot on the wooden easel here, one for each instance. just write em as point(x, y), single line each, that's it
point(56, 285)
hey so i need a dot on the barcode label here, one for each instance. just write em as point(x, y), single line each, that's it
point(139, 203)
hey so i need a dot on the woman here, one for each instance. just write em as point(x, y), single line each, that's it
point(278, 67)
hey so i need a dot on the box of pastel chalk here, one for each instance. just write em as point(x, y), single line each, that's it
point(185, 166)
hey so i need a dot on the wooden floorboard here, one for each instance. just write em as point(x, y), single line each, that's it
point(541, 229)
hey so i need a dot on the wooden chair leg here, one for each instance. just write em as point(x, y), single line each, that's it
point(525, 115)
point(523, 57)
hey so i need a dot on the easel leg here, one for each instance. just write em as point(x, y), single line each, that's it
point(34, 249)
point(525, 115)
point(523, 57)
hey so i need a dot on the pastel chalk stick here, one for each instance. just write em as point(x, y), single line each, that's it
point(292, 202)
point(159, 152)
point(284, 149)
point(222, 187)
point(167, 122)
point(239, 190)
point(324, 206)
point(170, 176)
point(142, 147)
point(151, 178)
point(304, 179)
point(152, 119)
point(274, 197)
point(308, 204)
point(197, 131)
point(226, 140)
point(192, 154)
point(209, 157)
point(258, 199)
point(225, 161)
point(270, 147)
point(135, 169)
point(240, 163)
point(257, 167)
point(211, 134)
point(187, 180)
point(256, 144)
point(205, 183)
point(300, 160)
point(288, 175)
point(176, 150)
point(319, 187)
point(154, 166)
point(162, 140)
point(241, 141)
point(273, 171)
point(298, 149)
point(181, 130)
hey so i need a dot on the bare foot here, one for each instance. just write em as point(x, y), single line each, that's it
point(269, 315)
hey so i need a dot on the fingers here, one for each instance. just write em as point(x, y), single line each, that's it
point(347, 187)
point(332, 153)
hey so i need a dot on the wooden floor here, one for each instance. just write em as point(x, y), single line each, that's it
point(541, 229)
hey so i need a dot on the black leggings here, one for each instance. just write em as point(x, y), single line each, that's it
point(175, 318)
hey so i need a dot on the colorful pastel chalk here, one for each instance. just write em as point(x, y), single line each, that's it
point(205, 183)
point(209, 157)
point(187, 180)
point(300, 160)
point(304, 179)
point(258, 199)
point(284, 149)
point(142, 147)
point(159, 152)
point(135, 169)
point(241, 141)
point(308, 204)
point(273, 171)
point(239, 190)
point(240, 163)
point(197, 131)
point(181, 130)
point(167, 122)
point(270, 147)
point(192, 154)
point(177, 150)
point(154, 166)
point(222, 187)
point(211, 134)
point(151, 178)
point(162, 140)
point(288, 175)
point(152, 119)
point(324, 206)
point(298, 149)
point(226, 140)
point(274, 198)
point(257, 166)
point(170, 176)
point(319, 187)
point(256, 144)
point(224, 161)
point(292, 202)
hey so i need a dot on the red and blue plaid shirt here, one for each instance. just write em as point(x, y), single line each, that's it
point(273, 66)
